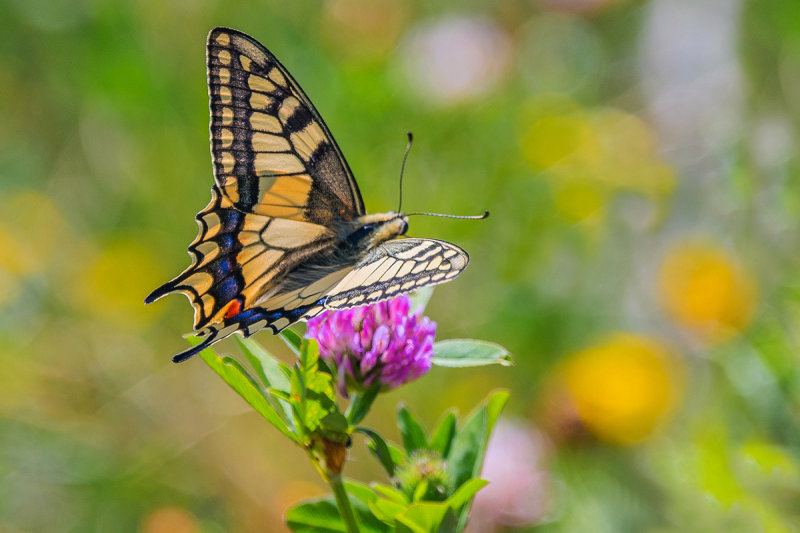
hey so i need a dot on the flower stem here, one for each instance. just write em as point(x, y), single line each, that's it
point(343, 502)
point(359, 406)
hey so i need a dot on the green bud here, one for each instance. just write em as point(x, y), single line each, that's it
point(423, 477)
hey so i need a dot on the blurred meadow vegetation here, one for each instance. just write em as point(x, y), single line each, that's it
point(638, 158)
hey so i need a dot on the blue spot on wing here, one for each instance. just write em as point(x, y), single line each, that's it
point(224, 266)
point(227, 289)
point(225, 242)
point(251, 316)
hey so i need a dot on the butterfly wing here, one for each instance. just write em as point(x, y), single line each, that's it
point(272, 152)
point(240, 258)
point(275, 314)
point(396, 267)
point(282, 189)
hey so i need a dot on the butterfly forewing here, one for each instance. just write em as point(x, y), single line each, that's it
point(397, 267)
point(272, 152)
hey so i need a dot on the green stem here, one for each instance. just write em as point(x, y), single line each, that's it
point(343, 502)
point(360, 405)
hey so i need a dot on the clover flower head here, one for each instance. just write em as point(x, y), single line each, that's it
point(380, 344)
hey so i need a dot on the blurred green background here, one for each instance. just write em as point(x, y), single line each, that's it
point(638, 158)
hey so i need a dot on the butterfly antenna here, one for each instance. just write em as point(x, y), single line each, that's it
point(400, 204)
point(403, 168)
point(467, 217)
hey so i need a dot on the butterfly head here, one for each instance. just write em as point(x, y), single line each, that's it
point(373, 229)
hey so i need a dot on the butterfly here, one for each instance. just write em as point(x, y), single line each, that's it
point(286, 235)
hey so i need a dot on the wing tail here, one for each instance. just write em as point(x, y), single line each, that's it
point(211, 335)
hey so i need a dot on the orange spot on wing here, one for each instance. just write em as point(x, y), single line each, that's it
point(233, 309)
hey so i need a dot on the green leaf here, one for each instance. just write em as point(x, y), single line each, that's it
point(397, 453)
point(309, 354)
point(385, 510)
point(323, 366)
point(292, 340)
point(466, 455)
point(322, 515)
point(270, 370)
point(411, 431)
point(402, 528)
point(298, 401)
point(469, 445)
point(497, 401)
point(245, 385)
point(283, 395)
point(420, 298)
point(442, 438)
point(335, 421)
point(362, 401)
point(315, 515)
point(420, 491)
point(379, 448)
point(315, 408)
point(255, 362)
point(360, 491)
point(427, 517)
point(469, 352)
point(390, 493)
point(313, 396)
point(465, 492)
point(334, 427)
point(449, 523)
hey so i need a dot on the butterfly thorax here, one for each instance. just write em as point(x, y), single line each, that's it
point(354, 242)
point(368, 231)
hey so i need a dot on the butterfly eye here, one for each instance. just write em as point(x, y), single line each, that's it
point(360, 234)
point(405, 228)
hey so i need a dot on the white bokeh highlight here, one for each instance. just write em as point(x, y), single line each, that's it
point(455, 59)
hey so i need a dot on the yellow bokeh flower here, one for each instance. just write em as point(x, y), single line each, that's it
point(589, 154)
point(624, 388)
point(114, 284)
point(580, 199)
point(560, 139)
point(32, 230)
point(705, 290)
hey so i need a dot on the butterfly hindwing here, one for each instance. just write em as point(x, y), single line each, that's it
point(249, 322)
point(275, 314)
point(239, 259)
point(397, 267)
point(272, 152)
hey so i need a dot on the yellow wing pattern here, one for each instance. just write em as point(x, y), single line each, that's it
point(273, 154)
point(240, 258)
